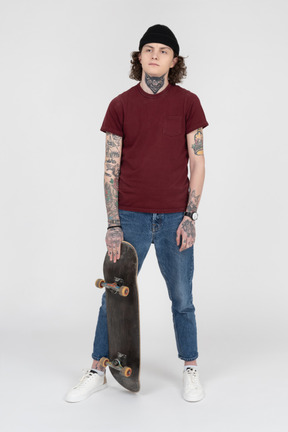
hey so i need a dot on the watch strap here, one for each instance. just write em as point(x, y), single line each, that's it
point(190, 215)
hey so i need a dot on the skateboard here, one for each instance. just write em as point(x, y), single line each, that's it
point(120, 282)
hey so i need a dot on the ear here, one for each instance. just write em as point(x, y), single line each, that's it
point(174, 61)
point(139, 57)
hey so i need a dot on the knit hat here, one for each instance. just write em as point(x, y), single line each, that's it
point(160, 34)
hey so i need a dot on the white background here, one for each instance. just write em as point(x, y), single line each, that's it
point(61, 62)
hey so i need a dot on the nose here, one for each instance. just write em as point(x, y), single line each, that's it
point(154, 55)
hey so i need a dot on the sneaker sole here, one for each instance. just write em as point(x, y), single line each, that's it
point(194, 399)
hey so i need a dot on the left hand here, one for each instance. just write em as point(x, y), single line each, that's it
point(186, 230)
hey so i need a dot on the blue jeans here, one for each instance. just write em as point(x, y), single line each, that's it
point(142, 229)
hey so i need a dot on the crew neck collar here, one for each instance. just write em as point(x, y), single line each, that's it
point(154, 96)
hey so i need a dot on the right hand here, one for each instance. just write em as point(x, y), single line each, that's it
point(114, 237)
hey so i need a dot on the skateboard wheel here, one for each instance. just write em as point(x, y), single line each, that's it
point(104, 361)
point(126, 371)
point(99, 283)
point(124, 291)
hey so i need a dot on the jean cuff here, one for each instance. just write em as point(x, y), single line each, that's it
point(187, 358)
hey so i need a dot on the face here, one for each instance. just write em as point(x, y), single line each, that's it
point(156, 59)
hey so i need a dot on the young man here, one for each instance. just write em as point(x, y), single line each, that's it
point(152, 130)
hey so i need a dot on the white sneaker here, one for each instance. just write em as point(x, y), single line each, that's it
point(90, 383)
point(192, 388)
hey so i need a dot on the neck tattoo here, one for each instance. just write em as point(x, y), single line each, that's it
point(154, 83)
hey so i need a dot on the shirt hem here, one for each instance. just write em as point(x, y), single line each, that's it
point(152, 210)
point(111, 130)
point(203, 125)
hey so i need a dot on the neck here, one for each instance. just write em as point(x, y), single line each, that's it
point(153, 84)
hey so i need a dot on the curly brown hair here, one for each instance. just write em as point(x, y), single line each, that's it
point(176, 74)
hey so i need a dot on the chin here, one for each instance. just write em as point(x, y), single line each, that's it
point(153, 72)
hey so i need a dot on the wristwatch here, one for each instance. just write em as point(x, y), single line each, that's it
point(193, 215)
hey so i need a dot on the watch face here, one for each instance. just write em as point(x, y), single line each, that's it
point(195, 216)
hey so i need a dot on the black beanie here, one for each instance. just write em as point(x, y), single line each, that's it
point(160, 34)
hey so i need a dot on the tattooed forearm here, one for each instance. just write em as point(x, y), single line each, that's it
point(198, 142)
point(114, 168)
point(111, 197)
point(111, 177)
point(193, 201)
point(154, 83)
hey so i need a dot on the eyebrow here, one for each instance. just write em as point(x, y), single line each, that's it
point(164, 47)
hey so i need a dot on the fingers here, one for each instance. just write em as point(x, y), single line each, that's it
point(114, 237)
point(109, 249)
point(184, 238)
point(186, 243)
point(118, 252)
point(185, 231)
point(178, 235)
point(114, 252)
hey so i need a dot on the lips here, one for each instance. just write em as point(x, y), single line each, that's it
point(153, 64)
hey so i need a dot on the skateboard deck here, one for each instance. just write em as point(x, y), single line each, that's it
point(120, 282)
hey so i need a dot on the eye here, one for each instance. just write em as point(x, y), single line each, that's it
point(165, 52)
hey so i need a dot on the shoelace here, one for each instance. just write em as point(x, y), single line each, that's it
point(193, 375)
point(85, 378)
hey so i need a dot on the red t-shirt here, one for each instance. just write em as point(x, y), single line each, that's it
point(153, 127)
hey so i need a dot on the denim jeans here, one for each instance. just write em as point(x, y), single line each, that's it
point(142, 229)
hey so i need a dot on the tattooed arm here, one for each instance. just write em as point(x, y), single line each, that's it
point(114, 236)
point(186, 229)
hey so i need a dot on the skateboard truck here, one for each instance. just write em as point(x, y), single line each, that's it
point(119, 363)
point(116, 287)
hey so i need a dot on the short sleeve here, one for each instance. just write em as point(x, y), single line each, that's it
point(113, 120)
point(195, 116)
